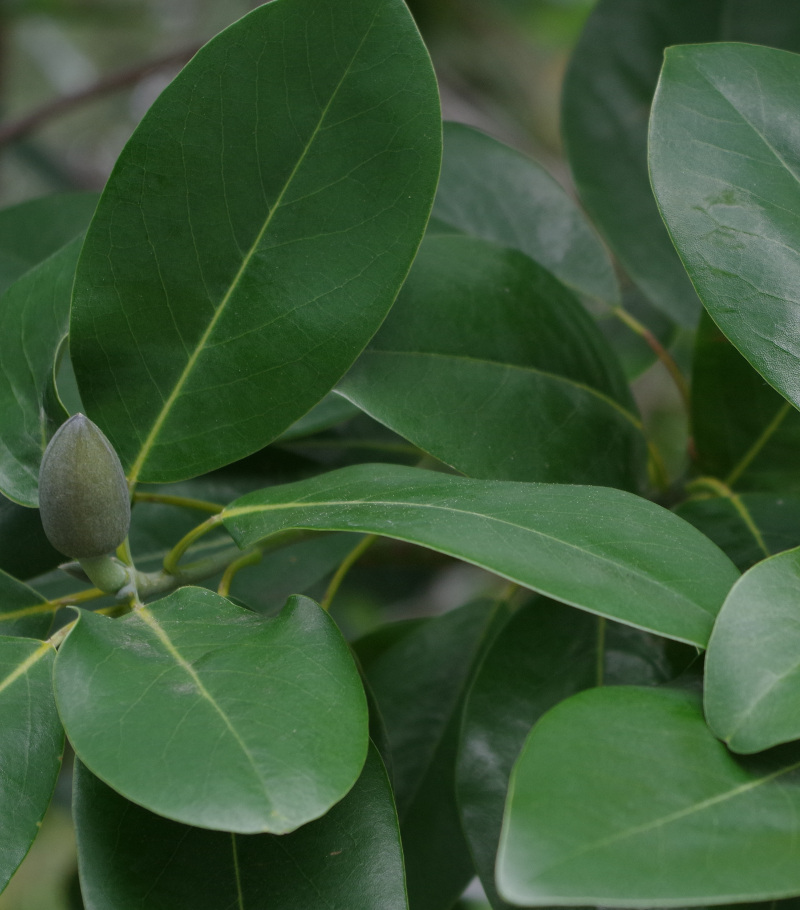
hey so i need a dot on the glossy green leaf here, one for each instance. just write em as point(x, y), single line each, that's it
point(724, 160)
point(34, 230)
point(332, 410)
point(419, 685)
point(483, 333)
point(492, 191)
point(30, 747)
point(753, 663)
point(600, 549)
point(623, 797)
point(350, 859)
point(743, 430)
point(208, 714)
point(748, 527)
point(254, 232)
point(23, 611)
point(34, 314)
point(545, 653)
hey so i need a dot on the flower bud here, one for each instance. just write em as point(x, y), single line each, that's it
point(83, 497)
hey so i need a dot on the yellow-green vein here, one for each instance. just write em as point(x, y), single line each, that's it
point(26, 664)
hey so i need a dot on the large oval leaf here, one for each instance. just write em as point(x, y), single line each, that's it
point(255, 231)
point(725, 160)
point(622, 797)
point(753, 664)
point(490, 190)
point(350, 859)
point(34, 315)
point(599, 549)
point(208, 714)
point(30, 747)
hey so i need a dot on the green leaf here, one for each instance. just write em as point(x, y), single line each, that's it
point(23, 611)
point(34, 230)
point(350, 859)
point(481, 332)
point(255, 232)
point(34, 314)
point(492, 191)
point(753, 661)
point(748, 527)
point(724, 161)
point(545, 653)
point(331, 411)
point(30, 747)
point(24, 549)
point(743, 430)
point(419, 685)
point(208, 714)
point(600, 549)
point(623, 797)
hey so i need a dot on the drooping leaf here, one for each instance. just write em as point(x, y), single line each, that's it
point(34, 314)
point(30, 747)
point(724, 158)
point(753, 664)
point(749, 527)
point(208, 714)
point(254, 232)
point(350, 859)
point(489, 190)
point(481, 333)
point(419, 684)
point(600, 549)
point(34, 230)
point(623, 797)
point(743, 430)
point(23, 611)
point(545, 653)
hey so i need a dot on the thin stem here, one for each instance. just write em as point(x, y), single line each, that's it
point(657, 469)
point(746, 460)
point(251, 558)
point(659, 350)
point(185, 502)
point(600, 667)
point(716, 487)
point(347, 563)
point(172, 558)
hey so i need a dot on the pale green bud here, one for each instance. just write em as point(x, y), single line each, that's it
point(83, 496)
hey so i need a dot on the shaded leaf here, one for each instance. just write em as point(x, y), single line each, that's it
point(258, 725)
point(600, 549)
point(349, 859)
point(23, 611)
point(24, 549)
point(254, 232)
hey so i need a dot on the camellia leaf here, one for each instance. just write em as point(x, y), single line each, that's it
point(753, 662)
point(254, 232)
point(492, 191)
point(483, 333)
point(600, 549)
point(34, 230)
point(544, 653)
point(30, 747)
point(622, 797)
point(350, 859)
point(34, 315)
point(725, 159)
point(23, 611)
point(211, 715)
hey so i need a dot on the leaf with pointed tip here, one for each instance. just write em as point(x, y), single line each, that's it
point(600, 549)
point(350, 859)
point(492, 191)
point(34, 230)
point(752, 683)
point(725, 159)
point(30, 747)
point(34, 315)
point(254, 232)
point(622, 797)
point(211, 715)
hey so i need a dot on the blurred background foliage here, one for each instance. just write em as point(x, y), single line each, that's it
point(76, 76)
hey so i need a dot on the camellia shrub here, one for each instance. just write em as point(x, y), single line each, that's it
point(305, 324)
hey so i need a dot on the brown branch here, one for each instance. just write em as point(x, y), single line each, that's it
point(15, 130)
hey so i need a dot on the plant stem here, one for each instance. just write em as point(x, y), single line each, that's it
point(201, 505)
point(659, 350)
point(716, 487)
point(172, 558)
point(347, 563)
point(252, 558)
point(749, 456)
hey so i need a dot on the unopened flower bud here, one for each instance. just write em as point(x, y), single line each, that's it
point(83, 497)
